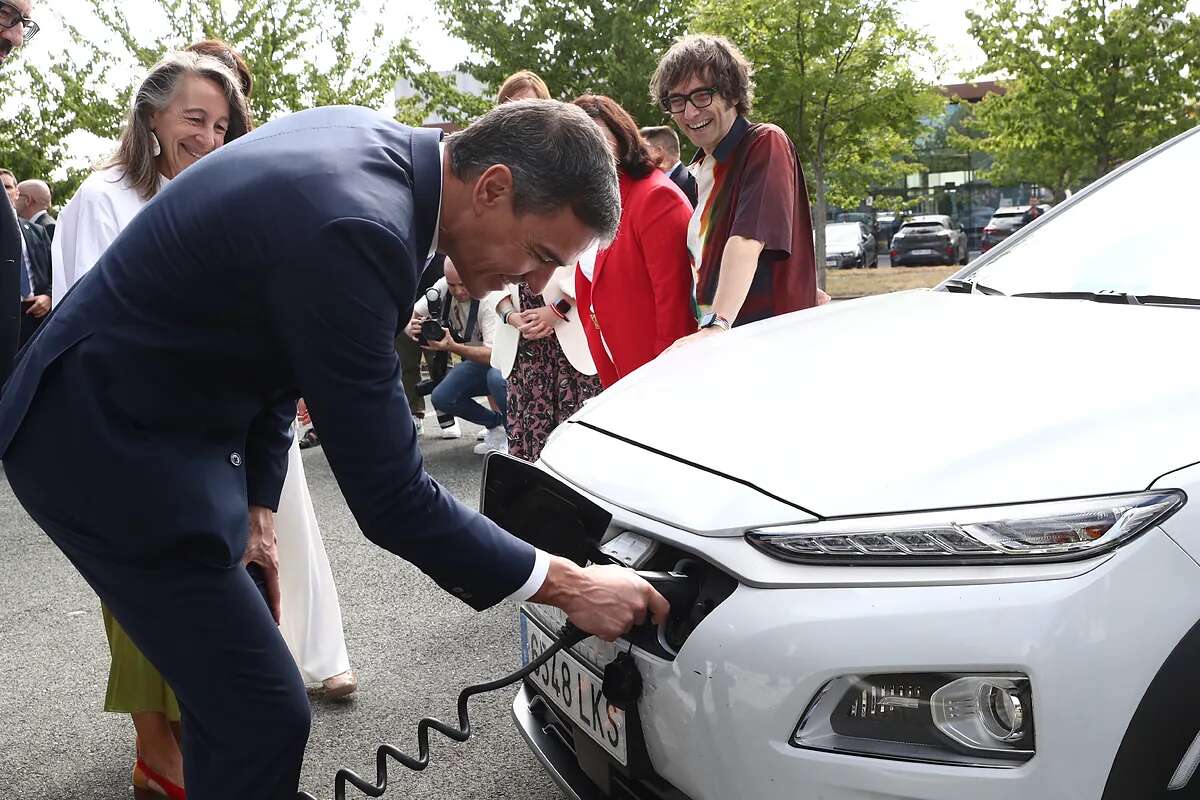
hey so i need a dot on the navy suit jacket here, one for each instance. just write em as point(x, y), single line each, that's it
point(686, 183)
point(281, 265)
point(10, 285)
point(37, 244)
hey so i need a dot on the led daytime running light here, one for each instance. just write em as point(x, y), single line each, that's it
point(1045, 531)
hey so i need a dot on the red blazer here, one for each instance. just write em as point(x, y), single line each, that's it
point(640, 294)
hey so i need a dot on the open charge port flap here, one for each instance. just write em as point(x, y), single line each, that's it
point(540, 509)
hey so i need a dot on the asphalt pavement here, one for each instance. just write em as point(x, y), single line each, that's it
point(412, 645)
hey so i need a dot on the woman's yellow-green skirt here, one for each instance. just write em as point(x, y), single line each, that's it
point(134, 685)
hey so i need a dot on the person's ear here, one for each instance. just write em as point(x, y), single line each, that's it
point(494, 187)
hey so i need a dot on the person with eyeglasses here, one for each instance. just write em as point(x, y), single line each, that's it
point(750, 236)
point(16, 28)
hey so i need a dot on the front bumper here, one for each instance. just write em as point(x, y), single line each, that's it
point(718, 718)
point(910, 256)
point(550, 738)
point(841, 261)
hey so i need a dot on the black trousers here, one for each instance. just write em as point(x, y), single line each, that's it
point(29, 326)
point(205, 627)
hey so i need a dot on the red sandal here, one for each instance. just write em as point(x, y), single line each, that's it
point(146, 779)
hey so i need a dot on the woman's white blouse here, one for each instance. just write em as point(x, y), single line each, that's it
point(100, 209)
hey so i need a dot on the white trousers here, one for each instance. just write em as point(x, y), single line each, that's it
point(310, 615)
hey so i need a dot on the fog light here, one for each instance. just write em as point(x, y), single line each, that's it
point(982, 712)
point(942, 718)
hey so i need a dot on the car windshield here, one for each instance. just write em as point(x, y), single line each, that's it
point(921, 227)
point(1009, 216)
point(841, 234)
point(1111, 240)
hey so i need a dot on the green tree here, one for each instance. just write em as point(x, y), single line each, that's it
point(1091, 84)
point(302, 54)
point(838, 76)
point(608, 47)
point(300, 51)
point(45, 106)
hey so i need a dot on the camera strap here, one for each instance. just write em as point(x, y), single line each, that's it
point(472, 321)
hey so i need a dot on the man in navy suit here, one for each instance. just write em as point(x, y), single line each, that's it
point(15, 28)
point(663, 143)
point(35, 280)
point(145, 427)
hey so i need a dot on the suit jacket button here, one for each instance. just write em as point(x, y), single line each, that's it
point(235, 459)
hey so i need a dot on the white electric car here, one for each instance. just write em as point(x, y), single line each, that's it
point(943, 543)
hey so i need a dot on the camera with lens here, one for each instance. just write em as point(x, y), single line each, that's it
point(431, 329)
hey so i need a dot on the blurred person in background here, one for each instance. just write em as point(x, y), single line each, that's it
point(751, 236)
point(16, 28)
point(33, 203)
point(636, 300)
point(544, 356)
point(663, 144)
point(34, 274)
point(437, 362)
point(466, 328)
point(187, 106)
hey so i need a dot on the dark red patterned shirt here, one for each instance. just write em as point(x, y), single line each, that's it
point(752, 186)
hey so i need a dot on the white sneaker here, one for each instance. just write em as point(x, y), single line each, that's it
point(453, 432)
point(496, 439)
point(479, 437)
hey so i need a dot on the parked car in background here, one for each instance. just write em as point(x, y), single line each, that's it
point(985, 600)
point(865, 217)
point(849, 244)
point(888, 223)
point(1006, 221)
point(978, 219)
point(930, 239)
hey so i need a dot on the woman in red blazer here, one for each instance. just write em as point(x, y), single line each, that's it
point(637, 299)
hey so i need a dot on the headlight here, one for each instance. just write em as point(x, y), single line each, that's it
point(1048, 531)
point(940, 718)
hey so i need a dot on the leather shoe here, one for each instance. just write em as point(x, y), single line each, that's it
point(340, 685)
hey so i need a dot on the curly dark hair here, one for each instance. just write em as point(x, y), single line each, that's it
point(632, 156)
point(714, 58)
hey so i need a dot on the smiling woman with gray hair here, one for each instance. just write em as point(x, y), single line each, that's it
point(187, 106)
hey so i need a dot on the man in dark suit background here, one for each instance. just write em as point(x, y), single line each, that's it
point(15, 28)
point(33, 203)
point(663, 143)
point(35, 278)
point(283, 265)
point(10, 283)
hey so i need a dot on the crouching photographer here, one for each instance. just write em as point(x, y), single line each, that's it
point(466, 328)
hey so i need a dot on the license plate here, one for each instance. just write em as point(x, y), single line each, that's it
point(923, 252)
point(831, 262)
point(576, 692)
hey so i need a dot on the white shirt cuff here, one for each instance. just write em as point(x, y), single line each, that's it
point(541, 565)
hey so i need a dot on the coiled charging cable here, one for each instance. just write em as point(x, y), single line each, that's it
point(568, 637)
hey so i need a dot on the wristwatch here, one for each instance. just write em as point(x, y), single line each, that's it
point(715, 321)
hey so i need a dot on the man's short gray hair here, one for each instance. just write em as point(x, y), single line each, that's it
point(664, 138)
point(557, 155)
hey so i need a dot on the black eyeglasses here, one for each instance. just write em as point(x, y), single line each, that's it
point(701, 98)
point(10, 15)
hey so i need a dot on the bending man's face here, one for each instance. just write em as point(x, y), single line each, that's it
point(496, 247)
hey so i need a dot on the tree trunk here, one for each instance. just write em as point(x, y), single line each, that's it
point(819, 211)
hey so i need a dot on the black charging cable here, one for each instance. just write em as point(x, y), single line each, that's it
point(568, 637)
point(622, 685)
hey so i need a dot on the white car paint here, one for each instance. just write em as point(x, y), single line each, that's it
point(915, 401)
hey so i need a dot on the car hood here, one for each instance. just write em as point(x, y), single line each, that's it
point(923, 400)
